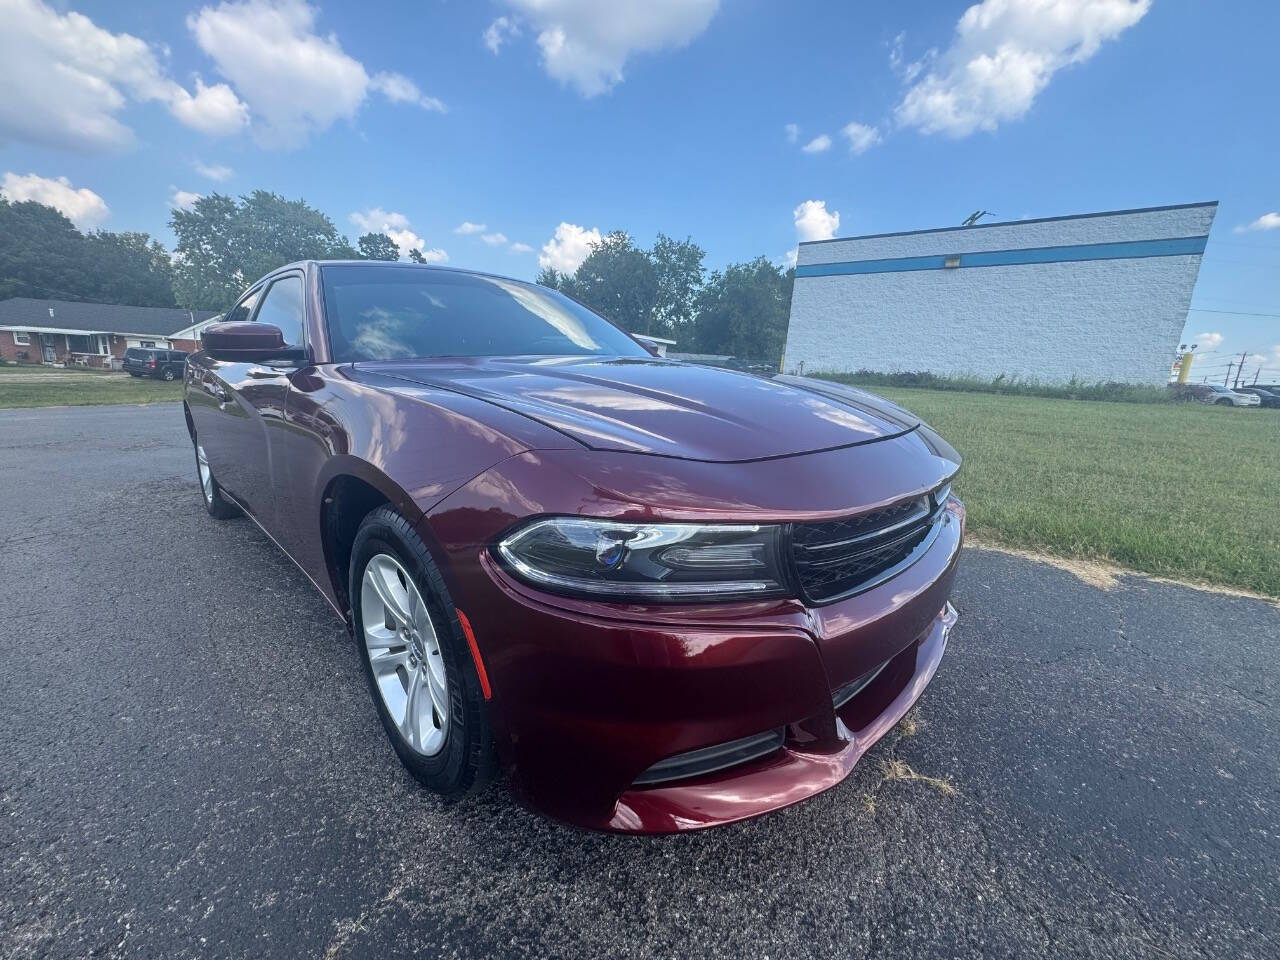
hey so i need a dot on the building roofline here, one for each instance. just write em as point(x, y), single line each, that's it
point(84, 332)
point(1013, 223)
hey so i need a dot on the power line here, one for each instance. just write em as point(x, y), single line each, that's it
point(1235, 313)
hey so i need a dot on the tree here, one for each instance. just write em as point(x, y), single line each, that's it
point(129, 268)
point(550, 277)
point(378, 246)
point(619, 281)
point(743, 311)
point(225, 244)
point(43, 255)
point(678, 266)
point(416, 255)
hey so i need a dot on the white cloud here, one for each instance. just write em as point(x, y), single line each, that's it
point(377, 220)
point(1208, 340)
point(81, 206)
point(499, 32)
point(788, 259)
point(182, 199)
point(1003, 55)
point(214, 171)
point(520, 248)
point(296, 82)
point(1268, 221)
point(467, 227)
point(396, 226)
point(815, 222)
point(398, 88)
point(585, 44)
point(75, 77)
point(860, 136)
point(214, 110)
point(566, 250)
point(792, 131)
point(818, 144)
point(494, 239)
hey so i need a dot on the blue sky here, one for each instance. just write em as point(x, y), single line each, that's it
point(663, 115)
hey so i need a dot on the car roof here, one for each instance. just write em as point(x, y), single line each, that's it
point(390, 264)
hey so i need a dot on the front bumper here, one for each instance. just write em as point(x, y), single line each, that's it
point(588, 696)
point(798, 770)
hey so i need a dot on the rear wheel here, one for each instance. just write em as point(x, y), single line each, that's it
point(168, 373)
point(215, 502)
point(417, 661)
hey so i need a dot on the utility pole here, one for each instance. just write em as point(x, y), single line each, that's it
point(1227, 379)
point(1240, 369)
point(1255, 374)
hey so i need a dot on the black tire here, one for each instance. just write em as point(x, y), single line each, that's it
point(168, 373)
point(215, 502)
point(132, 374)
point(466, 760)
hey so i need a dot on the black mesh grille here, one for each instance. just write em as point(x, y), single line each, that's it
point(841, 556)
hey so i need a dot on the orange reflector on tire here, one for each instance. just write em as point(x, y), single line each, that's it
point(475, 655)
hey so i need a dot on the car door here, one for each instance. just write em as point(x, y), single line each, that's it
point(227, 425)
point(264, 390)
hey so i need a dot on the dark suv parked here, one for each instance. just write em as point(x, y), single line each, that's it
point(150, 362)
point(1270, 396)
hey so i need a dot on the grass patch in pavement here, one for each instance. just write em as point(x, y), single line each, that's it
point(1179, 490)
point(80, 388)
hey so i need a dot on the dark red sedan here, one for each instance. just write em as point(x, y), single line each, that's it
point(662, 596)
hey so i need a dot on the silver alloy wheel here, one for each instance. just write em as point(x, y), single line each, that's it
point(404, 652)
point(206, 475)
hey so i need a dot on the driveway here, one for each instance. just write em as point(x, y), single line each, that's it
point(190, 766)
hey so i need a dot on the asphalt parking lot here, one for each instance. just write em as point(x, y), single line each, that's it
point(192, 767)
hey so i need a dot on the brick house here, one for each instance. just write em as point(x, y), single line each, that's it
point(69, 333)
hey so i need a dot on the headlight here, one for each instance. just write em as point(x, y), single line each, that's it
point(646, 561)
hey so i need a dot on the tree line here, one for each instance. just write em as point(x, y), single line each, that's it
point(665, 291)
point(225, 243)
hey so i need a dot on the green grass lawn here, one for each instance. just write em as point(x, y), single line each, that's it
point(18, 388)
point(1179, 490)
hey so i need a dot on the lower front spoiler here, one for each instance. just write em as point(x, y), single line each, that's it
point(793, 773)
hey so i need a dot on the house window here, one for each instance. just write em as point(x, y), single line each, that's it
point(22, 338)
point(86, 343)
point(148, 343)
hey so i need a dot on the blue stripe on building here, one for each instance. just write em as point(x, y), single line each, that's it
point(1123, 250)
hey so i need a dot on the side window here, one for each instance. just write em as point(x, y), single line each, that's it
point(282, 307)
point(240, 312)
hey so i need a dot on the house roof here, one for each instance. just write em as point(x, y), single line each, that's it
point(30, 313)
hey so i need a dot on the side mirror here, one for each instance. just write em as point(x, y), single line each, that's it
point(248, 343)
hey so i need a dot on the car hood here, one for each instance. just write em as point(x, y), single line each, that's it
point(661, 407)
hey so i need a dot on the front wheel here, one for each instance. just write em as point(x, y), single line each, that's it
point(416, 658)
point(168, 375)
point(215, 502)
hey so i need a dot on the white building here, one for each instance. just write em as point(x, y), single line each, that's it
point(1096, 296)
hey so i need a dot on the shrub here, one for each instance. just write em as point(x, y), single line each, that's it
point(1026, 387)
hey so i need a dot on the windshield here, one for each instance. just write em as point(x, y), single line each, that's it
point(389, 313)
